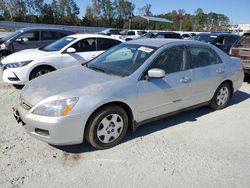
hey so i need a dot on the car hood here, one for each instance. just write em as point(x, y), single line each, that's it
point(77, 81)
point(24, 55)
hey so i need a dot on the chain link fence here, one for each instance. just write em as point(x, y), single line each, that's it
point(12, 26)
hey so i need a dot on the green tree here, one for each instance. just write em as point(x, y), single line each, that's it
point(124, 11)
point(145, 10)
point(107, 11)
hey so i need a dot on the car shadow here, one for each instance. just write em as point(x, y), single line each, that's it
point(247, 79)
point(149, 128)
point(19, 87)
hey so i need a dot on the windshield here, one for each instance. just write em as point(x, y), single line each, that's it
point(10, 36)
point(122, 60)
point(205, 38)
point(58, 45)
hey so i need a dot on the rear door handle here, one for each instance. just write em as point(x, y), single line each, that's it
point(185, 80)
point(220, 70)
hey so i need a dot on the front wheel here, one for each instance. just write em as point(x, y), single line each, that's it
point(107, 127)
point(221, 97)
point(39, 71)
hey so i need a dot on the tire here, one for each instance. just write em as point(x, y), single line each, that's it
point(41, 70)
point(106, 127)
point(3, 55)
point(221, 96)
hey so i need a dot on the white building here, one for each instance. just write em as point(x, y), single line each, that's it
point(240, 28)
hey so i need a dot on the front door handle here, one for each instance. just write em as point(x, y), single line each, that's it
point(220, 70)
point(185, 80)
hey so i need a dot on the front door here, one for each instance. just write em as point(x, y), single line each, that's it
point(86, 50)
point(171, 93)
point(29, 40)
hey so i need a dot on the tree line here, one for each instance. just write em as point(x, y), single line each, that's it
point(108, 13)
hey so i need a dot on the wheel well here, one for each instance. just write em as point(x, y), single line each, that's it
point(6, 52)
point(49, 66)
point(231, 85)
point(124, 106)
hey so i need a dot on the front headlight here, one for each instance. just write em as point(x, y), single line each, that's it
point(16, 65)
point(56, 108)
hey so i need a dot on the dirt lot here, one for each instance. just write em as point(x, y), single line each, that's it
point(199, 148)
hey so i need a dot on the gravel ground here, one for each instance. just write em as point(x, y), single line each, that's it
point(199, 148)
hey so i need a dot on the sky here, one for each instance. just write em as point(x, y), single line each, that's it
point(238, 11)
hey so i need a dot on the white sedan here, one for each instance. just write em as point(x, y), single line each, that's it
point(23, 66)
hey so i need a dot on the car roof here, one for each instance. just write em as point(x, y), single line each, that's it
point(43, 28)
point(162, 42)
point(217, 34)
point(82, 36)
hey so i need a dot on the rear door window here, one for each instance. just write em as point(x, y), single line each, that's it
point(85, 45)
point(51, 35)
point(104, 44)
point(202, 56)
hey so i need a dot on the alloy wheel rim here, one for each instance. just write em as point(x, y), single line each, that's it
point(42, 72)
point(110, 128)
point(222, 96)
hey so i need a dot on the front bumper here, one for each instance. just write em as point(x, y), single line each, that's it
point(66, 130)
point(17, 76)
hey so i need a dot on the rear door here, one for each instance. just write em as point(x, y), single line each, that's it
point(168, 94)
point(208, 71)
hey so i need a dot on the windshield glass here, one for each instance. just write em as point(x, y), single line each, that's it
point(122, 60)
point(205, 38)
point(58, 45)
point(10, 36)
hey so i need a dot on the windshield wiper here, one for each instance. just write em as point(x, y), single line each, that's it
point(96, 68)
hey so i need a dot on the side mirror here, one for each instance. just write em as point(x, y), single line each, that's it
point(71, 50)
point(156, 73)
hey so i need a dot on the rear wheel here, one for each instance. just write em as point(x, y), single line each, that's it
point(39, 71)
point(221, 97)
point(107, 127)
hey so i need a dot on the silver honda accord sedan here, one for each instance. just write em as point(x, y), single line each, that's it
point(128, 85)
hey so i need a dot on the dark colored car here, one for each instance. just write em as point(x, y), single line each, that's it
point(171, 35)
point(242, 49)
point(224, 41)
point(110, 32)
point(30, 38)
